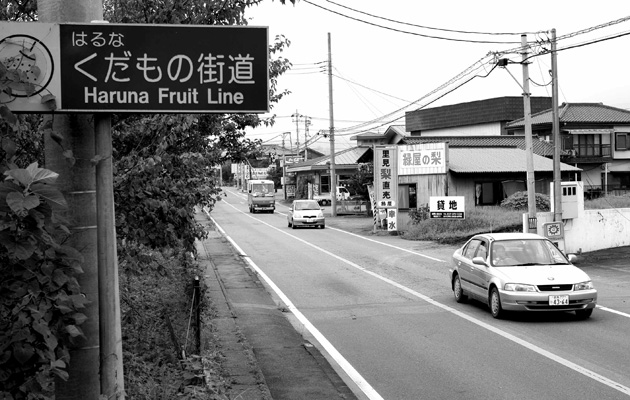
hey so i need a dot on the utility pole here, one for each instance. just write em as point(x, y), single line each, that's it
point(557, 178)
point(531, 182)
point(296, 119)
point(307, 123)
point(333, 183)
point(284, 183)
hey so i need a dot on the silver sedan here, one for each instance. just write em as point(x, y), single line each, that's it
point(305, 213)
point(520, 272)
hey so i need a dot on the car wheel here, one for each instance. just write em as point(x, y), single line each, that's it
point(293, 225)
point(584, 314)
point(322, 226)
point(495, 303)
point(288, 223)
point(460, 297)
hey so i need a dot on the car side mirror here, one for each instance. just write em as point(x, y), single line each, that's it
point(479, 261)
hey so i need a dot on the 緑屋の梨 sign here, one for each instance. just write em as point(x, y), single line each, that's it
point(136, 68)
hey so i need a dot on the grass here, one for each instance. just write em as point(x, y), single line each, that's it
point(490, 219)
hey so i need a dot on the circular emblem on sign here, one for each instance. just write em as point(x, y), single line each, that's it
point(28, 62)
point(554, 230)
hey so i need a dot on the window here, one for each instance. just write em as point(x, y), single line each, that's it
point(407, 197)
point(622, 141)
point(471, 249)
point(588, 145)
point(488, 193)
point(325, 184)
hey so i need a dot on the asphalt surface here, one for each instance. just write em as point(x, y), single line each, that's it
point(265, 356)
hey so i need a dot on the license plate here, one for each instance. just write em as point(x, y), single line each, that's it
point(310, 220)
point(562, 300)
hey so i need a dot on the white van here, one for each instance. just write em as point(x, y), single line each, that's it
point(261, 195)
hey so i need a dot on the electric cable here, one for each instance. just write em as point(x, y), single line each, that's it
point(426, 27)
point(407, 32)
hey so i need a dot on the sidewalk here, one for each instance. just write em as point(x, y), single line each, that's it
point(265, 357)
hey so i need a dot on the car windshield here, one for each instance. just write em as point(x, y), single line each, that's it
point(306, 205)
point(526, 252)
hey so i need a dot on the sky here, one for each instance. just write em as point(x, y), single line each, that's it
point(397, 56)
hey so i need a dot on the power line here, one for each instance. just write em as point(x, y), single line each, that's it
point(426, 27)
point(368, 88)
point(407, 32)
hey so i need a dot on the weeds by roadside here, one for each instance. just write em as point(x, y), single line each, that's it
point(489, 219)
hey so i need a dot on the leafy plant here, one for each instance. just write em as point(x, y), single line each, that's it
point(519, 201)
point(40, 298)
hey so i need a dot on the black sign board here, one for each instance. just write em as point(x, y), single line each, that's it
point(145, 68)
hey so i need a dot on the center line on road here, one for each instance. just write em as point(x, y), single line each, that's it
point(584, 371)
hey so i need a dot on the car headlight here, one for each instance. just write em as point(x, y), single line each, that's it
point(320, 215)
point(583, 286)
point(519, 287)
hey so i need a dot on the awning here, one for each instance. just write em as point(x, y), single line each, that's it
point(589, 131)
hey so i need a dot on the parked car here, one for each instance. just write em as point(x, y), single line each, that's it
point(324, 199)
point(306, 213)
point(520, 272)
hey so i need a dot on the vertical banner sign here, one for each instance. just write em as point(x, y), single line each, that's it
point(392, 219)
point(386, 183)
point(386, 177)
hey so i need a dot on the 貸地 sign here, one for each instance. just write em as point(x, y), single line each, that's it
point(447, 207)
point(137, 67)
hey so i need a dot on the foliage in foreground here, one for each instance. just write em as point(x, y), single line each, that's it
point(40, 298)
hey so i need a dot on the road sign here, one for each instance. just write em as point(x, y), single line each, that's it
point(553, 230)
point(137, 67)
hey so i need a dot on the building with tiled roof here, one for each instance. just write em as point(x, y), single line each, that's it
point(481, 117)
point(595, 138)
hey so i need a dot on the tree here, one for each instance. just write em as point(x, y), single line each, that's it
point(160, 170)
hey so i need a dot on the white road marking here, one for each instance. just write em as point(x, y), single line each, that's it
point(368, 390)
point(623, 314)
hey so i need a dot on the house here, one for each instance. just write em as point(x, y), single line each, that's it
point(316, 171)
point(485, 169)
point(595, 137)
point(488, 117)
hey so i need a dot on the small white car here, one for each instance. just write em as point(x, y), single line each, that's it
point(520, 272)
point(306, 213)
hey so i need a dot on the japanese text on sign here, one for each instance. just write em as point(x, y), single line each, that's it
point(386, 177)
point(447, 207)
point(114, 66)
point(427, 158)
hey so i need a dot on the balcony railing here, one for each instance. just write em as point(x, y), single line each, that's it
point(597, 191)
point(592, 150)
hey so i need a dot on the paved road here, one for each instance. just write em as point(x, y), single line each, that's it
point(384, 310)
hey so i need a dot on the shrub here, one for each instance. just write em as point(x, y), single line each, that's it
point(519, 201)
point(420, 214)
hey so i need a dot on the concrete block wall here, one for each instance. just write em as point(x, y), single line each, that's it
point(591, 230)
